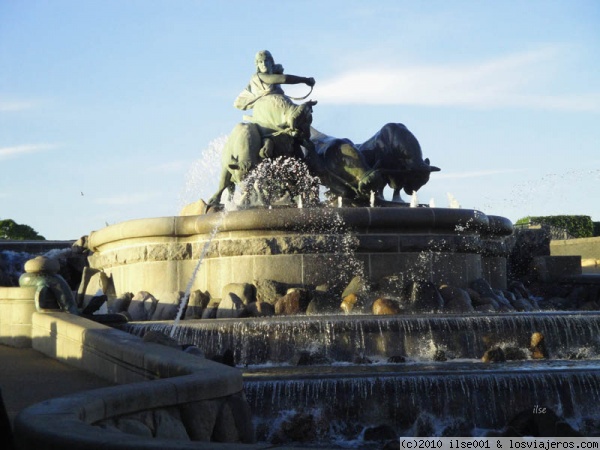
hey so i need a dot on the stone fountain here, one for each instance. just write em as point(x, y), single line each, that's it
point(339, 365)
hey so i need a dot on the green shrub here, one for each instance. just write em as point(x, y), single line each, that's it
point(576, 226)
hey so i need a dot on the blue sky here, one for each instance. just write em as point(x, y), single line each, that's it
point(112, 110)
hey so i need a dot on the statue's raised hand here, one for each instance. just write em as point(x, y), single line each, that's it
point(310, 81)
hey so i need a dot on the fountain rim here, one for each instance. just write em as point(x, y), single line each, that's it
point(449, 370)
point(525, 315)
point(396, 219)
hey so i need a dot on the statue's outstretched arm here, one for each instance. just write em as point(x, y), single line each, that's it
point(281, 78)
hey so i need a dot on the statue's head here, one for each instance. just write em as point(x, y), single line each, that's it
point(418, 176)
point(264, 61)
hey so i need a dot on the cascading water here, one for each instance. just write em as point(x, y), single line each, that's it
point(335, 388)
point(348, 372)
point(341, 338)
point(479, 398)
point(414, 200)
point(12, 263)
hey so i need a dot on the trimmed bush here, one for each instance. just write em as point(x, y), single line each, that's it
point(576, 226)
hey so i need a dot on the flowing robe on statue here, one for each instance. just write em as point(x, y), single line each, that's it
point(271, 107)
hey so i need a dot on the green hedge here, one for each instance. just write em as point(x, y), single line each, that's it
point(576, 226)
point(596, 228)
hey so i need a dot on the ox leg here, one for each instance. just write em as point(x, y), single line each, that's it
point(268, 149)
point(224, 183)
point(230, 192)
point(396, 197)
point(396, 187)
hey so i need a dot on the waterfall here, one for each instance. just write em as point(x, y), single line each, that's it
point(340, 338)
point(487, 400)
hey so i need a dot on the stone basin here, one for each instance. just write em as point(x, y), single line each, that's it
point(309, 246)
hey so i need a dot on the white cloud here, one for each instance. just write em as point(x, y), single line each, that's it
point(476, 174)
point(125, 199)
point(19, 150)
point(505, 81)
point(17, 105)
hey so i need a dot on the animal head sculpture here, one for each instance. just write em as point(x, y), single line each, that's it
point(418, 176)
point(300, 119)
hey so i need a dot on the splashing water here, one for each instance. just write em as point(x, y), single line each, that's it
point(188, 289)
point(338, 244)
point(281, 182)
point(453, 203)
point(549, 194)
point(432, 203)
point(201, 176)
point(414, 200)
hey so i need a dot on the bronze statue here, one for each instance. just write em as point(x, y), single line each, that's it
point(278, 127)
point(391, 157)
point(52, 291)
point(273, 112)
point(281, 128)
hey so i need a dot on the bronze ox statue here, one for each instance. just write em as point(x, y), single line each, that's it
point(396, 150)
point(391, 157)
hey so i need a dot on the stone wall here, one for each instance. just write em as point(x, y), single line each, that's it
point(34, 247)
point(587, 248)
point(16, 308)
point(189, 400)
point(301, 246)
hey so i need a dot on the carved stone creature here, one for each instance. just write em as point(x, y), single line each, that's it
point(385, 306)
point(52, 292)
point(537, 346)
point(279, 127)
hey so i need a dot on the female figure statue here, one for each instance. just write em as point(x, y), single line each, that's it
point(266, 81)
point(274, 112)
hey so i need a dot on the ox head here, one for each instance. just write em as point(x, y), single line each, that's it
point(418, 176)
point(412, 178)
point(301, 119)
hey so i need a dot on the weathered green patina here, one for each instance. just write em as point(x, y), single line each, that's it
point(53, 292)
point(279, 127)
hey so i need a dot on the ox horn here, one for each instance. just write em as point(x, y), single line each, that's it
point(431, 168)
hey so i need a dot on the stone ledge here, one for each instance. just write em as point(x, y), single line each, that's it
point(365, 219)
point(16, 307)
point(178, 379)
point(587, 248)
